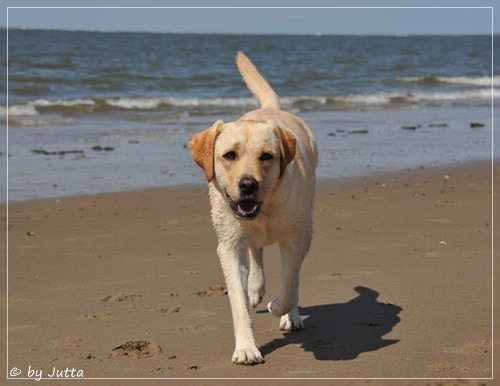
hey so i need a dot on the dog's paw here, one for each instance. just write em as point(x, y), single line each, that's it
point(292, 321)
point(247, 356)
point(255, 296)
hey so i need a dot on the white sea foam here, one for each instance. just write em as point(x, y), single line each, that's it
point(304, 98)
point(18, 110)
point(232, 102)
point(385, 98)
point(153, 103)
point(472, 81)
point(32, 108)
point(456, 80)
point(65, 103)
point(135, 103)
point(368, 99)
point(484, 93)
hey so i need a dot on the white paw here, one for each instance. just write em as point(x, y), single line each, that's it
point(255, 296)
point(247, 356)
point(291, 321)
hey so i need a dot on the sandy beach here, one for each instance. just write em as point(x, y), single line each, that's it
point(127, 285)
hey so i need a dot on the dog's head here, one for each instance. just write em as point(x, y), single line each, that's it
point(246, 159)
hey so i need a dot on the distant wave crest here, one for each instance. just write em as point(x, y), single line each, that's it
point(430, 80)
point(386, 98)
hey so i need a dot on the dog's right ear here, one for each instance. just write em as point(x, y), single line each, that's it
point(202, 147)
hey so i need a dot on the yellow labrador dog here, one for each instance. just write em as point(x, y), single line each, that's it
point(261, 178)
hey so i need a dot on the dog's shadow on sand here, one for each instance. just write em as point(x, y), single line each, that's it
point(335, 332)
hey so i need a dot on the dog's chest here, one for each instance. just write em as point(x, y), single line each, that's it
point(267, 230)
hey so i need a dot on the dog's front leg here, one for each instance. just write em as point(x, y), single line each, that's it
point(234, 266)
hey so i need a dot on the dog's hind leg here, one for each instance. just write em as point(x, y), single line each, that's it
point(286, 304)
point(256, 280)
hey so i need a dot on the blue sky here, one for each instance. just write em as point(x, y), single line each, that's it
point(359, 21)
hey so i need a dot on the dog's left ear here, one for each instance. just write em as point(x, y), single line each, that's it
point(202, 147)
point(288, 145)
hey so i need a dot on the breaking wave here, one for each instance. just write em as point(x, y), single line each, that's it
point(480, 81)
point(204, 106)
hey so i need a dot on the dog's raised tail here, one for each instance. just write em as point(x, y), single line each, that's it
point(259, 87)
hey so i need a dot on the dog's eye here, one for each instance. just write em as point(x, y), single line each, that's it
point(266, 157)
point(230, 155)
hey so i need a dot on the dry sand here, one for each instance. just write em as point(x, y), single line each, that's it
point(397, 285)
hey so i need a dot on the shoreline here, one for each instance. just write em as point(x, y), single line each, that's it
point(321, 182)
point(50, 162)
point(394, 259)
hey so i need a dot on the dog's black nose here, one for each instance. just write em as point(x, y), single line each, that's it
point(248, 186)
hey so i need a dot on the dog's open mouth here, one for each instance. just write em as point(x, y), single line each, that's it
point(246, 209)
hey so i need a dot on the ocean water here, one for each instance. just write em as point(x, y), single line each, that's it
point(92, 112)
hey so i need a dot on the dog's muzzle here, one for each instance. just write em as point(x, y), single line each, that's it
point(246, 209)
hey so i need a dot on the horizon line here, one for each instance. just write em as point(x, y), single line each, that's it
point(317, 34)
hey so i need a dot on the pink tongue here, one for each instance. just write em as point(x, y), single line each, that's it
point(247, 205)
